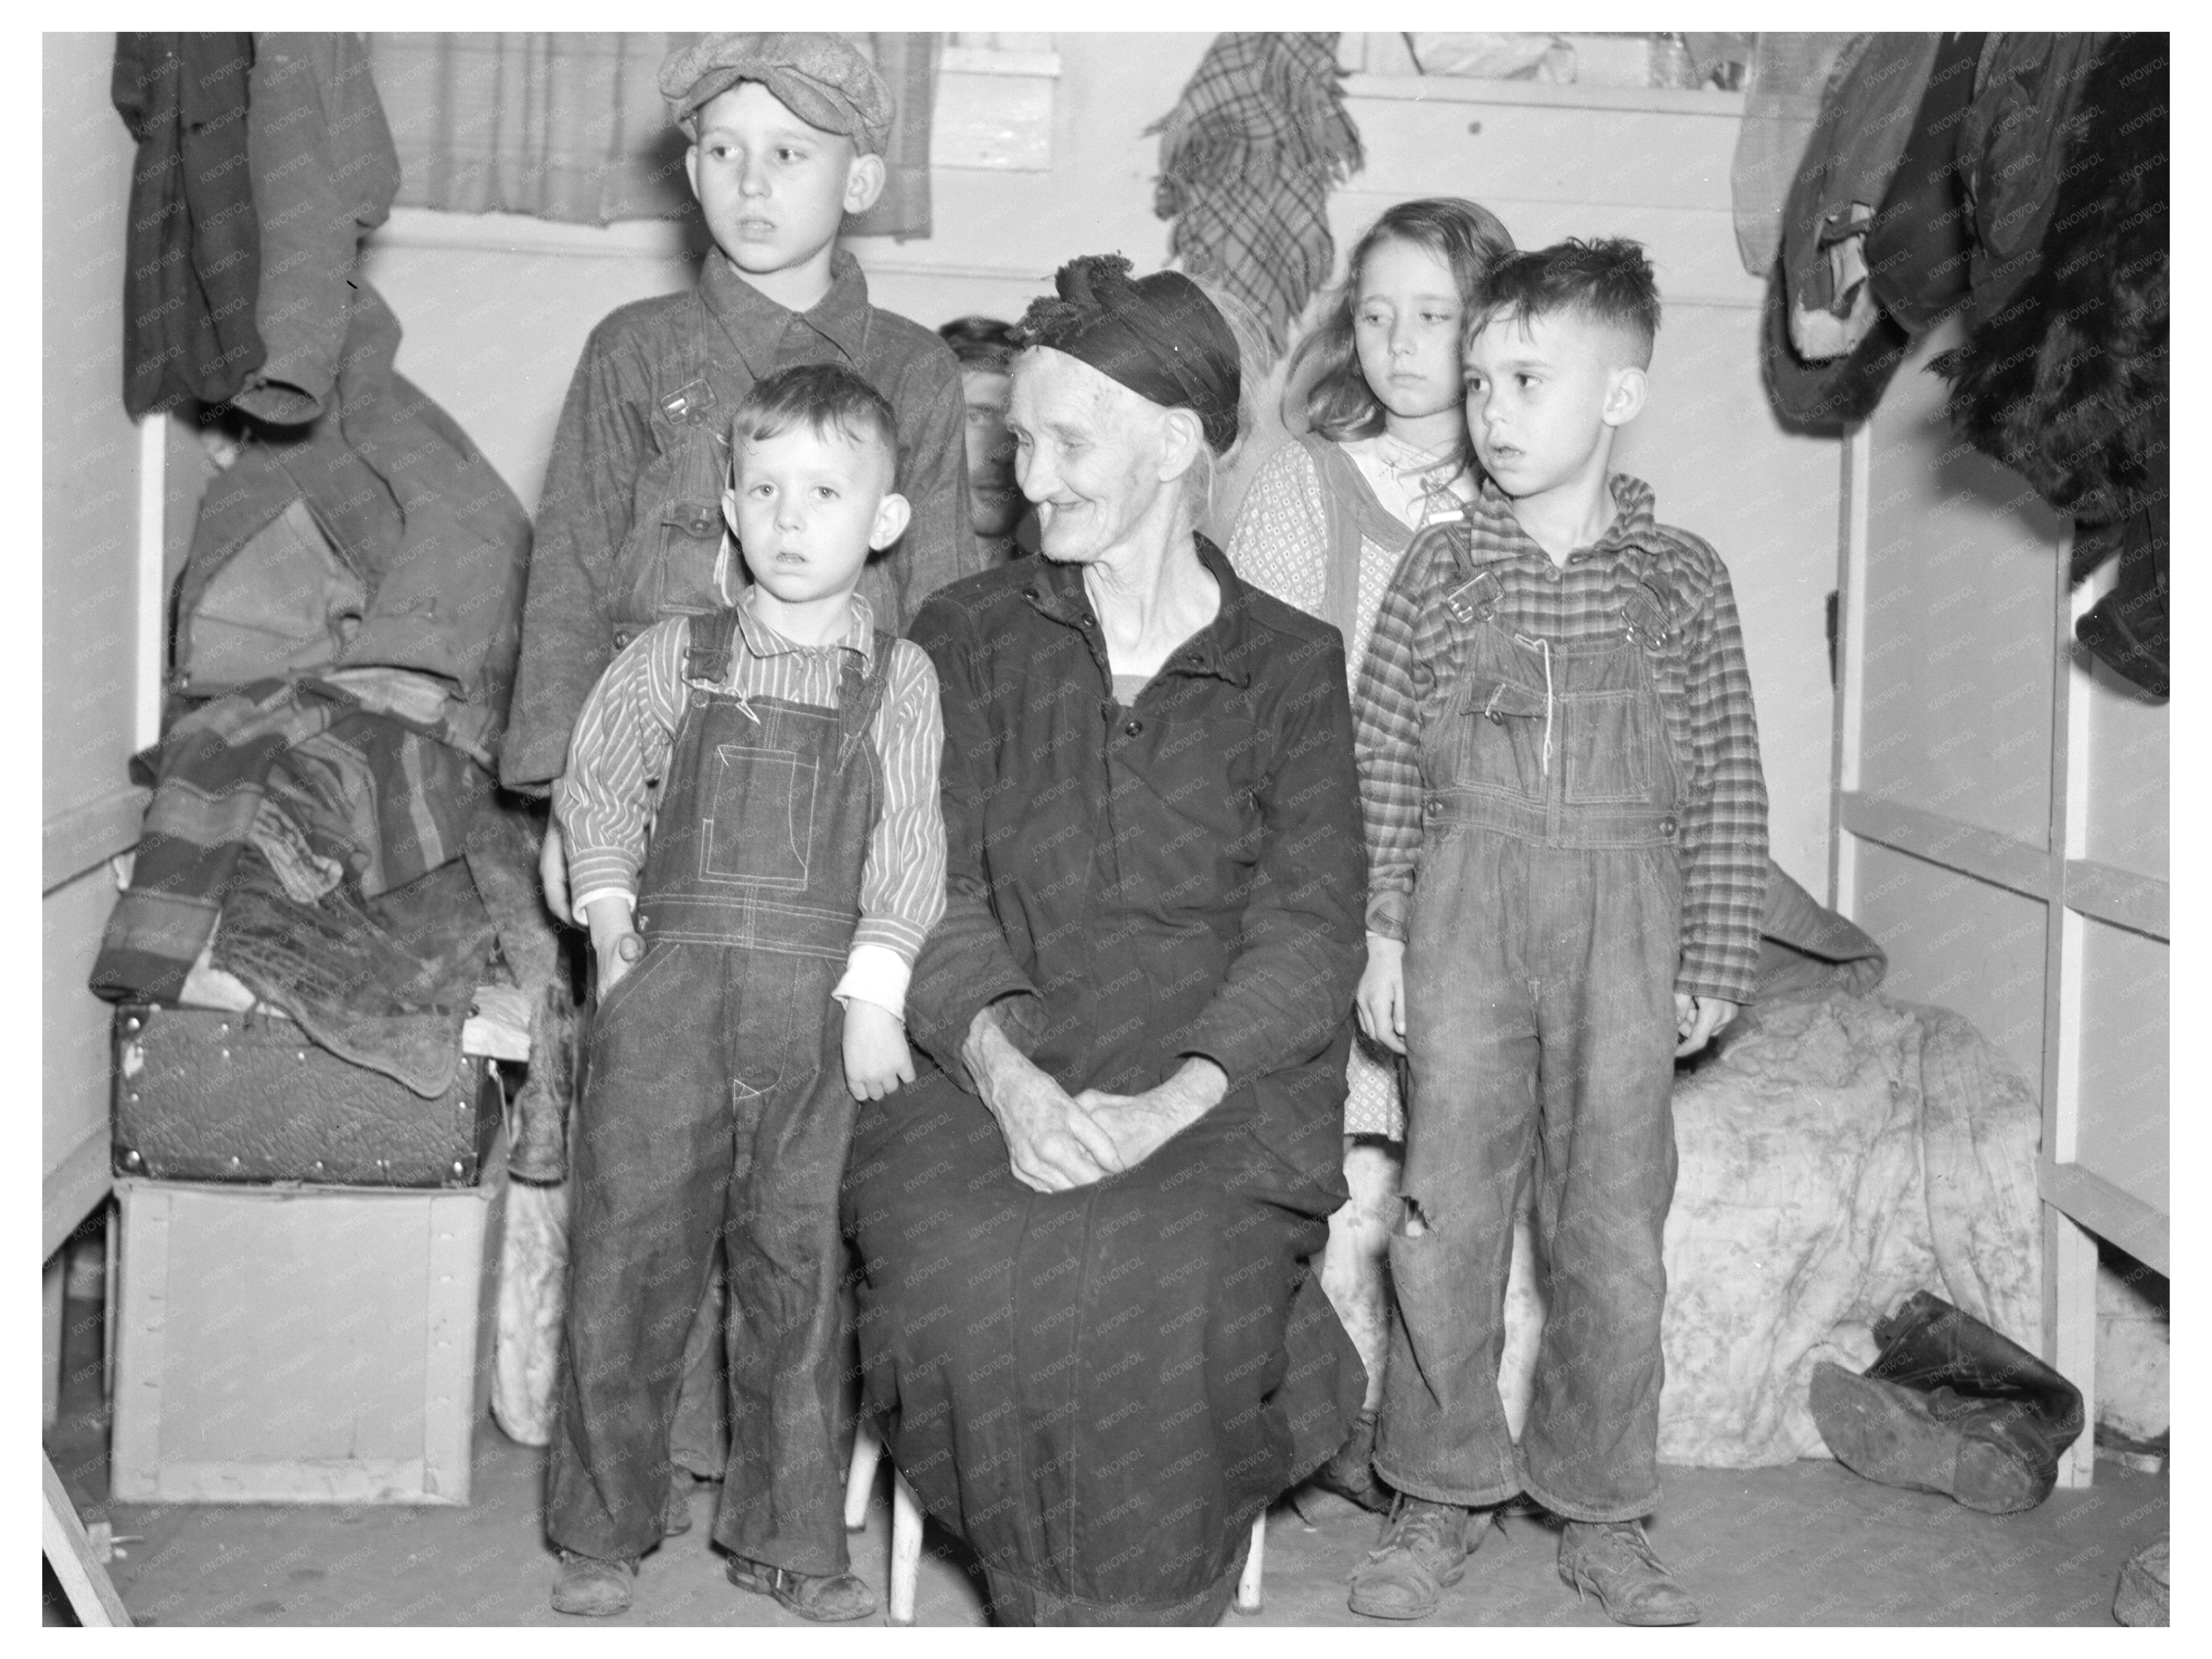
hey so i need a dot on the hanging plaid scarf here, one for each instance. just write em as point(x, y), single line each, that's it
point(1247, 156)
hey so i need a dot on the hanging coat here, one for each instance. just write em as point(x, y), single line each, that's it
point(2067, 382)
point(192, 246)
point(324, 174)
point(1866, 119)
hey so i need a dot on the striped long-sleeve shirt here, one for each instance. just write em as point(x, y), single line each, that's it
point(1414, 660)
point(619, 757)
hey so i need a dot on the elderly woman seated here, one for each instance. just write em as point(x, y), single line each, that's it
point(1090, 1334)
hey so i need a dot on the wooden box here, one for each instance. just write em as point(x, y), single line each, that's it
point(303, 1343)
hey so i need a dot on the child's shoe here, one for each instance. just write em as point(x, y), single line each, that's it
point(1424, 1552)
point(1614, 1561)
point(830, 1600)
point(591, 1588)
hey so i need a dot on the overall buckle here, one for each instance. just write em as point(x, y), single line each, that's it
point(1479, 597)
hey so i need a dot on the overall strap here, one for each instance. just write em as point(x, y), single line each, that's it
point(1647, 610)
point(706, 658)
point(858, 699)
point(1479, 591)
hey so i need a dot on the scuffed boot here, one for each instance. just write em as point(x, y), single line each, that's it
point(1423, 1554)
point(591, 1588)
point(1614, 1560)
point(2144, 1595)
point(1951, 1407)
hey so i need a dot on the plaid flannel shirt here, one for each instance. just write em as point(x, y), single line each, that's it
point(1414, 660)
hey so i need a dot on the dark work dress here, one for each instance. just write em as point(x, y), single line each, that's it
point(1099, 1388)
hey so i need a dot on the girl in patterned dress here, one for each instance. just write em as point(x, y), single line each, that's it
point(1374, 398)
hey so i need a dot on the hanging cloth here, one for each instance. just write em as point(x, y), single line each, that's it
point(1247, 158)
point(1865, 122)
point(1917, 251)
point(1781, 106)
point(2066, 381)
point(193, 243)
point(324, 174)
point(2026, 109)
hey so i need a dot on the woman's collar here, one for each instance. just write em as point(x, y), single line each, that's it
point(1222, 648)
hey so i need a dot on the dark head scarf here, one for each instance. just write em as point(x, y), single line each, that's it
point(1159, 336)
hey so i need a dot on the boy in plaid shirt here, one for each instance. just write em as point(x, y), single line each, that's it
point(1567, 825)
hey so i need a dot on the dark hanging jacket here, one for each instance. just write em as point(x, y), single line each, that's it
point(192, 265)
point(324, 174)
point(2065, 377)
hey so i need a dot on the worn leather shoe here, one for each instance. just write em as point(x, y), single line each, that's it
point(1952, 1406)
point(591, 1588)
point(830, 1601)
point(1424, 1552)
point(1614, 1561)
point(1899, 1436)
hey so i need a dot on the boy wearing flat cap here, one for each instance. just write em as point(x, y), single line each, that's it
point(786, 133)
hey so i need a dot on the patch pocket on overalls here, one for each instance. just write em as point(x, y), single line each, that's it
point(1606, 737)
point(760, 823)
point(1497, 738)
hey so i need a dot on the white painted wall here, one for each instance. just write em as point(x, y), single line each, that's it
point(91, 688)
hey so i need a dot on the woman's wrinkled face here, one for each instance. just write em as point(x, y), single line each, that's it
point(1087, 451)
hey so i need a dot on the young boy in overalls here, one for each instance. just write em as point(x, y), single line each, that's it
point(786, 133)
point(753, 948)
point(1567, 822)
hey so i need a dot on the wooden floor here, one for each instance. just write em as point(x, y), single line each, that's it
point(1807, 1544)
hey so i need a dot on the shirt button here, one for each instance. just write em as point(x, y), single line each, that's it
point(1133, 728)
point(623, 638)
point(1667, 828)
point(1552, 573)
point(1435, 804)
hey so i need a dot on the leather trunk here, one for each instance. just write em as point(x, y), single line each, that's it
point(209, 1095)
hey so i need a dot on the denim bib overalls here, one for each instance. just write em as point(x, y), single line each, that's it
point(1540, 959)
point(715, 1100)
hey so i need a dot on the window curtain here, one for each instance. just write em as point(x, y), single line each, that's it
point(571, 126)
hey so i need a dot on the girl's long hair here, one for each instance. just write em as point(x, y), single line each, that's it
point(1324, 386)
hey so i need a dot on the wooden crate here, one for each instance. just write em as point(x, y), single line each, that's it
point(303, 1344)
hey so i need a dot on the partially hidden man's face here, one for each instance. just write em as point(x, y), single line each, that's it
point(994, 499)
point(1087, 451)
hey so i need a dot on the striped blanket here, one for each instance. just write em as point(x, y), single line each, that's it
point(374, 791)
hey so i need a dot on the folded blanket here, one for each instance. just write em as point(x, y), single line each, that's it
point(365, 789)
